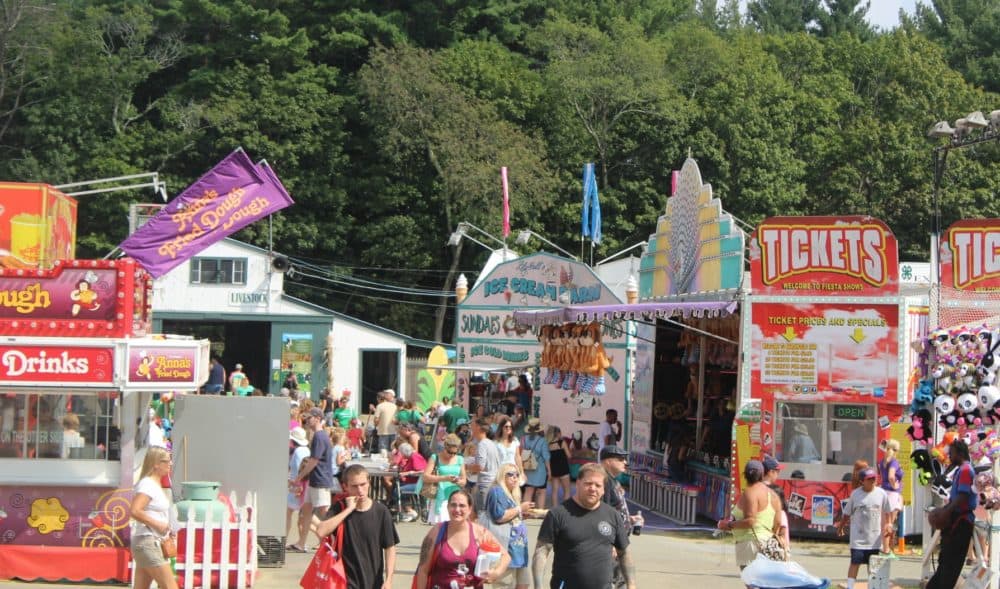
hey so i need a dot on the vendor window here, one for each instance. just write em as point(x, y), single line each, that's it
point(825, 433)
point(70, 426)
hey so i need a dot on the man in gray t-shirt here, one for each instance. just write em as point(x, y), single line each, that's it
point(868, 512)
point(488, 460)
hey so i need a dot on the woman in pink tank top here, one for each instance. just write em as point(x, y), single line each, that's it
point(456, 548)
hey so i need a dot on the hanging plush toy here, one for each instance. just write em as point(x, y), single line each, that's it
point(942, 377)
point(922, 462)
point(989, 495)
point(920, 430)
point(923, 395)
point(575, 352)
point(967, 405)
point(556, 357)
point(989, 402)
point(946, 410)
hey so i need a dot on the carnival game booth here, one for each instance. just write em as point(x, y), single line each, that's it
point(77, 372)
point(825, 339)
point(682, 315)
point(488, 334)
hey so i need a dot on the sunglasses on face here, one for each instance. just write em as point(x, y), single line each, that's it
point(511, 474)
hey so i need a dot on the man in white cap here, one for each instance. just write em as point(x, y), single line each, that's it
point(297, 498)
point(237, 379)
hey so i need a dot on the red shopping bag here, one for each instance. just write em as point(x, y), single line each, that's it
point(326, 570)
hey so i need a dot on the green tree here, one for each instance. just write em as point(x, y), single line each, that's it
point(969, 33)
point(457, 142)
point(783, 16)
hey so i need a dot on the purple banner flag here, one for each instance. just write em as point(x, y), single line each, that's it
point(230, 196)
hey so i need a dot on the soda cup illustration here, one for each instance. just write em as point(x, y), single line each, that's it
point(26, 233)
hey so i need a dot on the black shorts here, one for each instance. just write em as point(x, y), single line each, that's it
point(543, 486)
point(859, 556)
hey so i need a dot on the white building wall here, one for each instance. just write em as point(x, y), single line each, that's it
point(349, 340)
point(173, 292)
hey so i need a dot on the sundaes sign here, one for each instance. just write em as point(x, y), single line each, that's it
point(970, 255)
point(61, 364)
point(827, 256)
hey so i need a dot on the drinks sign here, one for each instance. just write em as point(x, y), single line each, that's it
point(970, 255)
point(162, 365)
point(72, 366)
point(824, 256)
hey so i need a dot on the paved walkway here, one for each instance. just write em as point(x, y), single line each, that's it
point(680, 559)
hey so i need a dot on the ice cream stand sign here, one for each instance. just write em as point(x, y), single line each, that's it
point(970, 255)
point(487, 334)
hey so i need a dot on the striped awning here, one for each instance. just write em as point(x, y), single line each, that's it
point(649, 311)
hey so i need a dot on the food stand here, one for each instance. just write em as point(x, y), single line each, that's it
point(824, 339)
point(489, 339)
point(77, 372)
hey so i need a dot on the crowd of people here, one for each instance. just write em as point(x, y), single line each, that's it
point(486, 474)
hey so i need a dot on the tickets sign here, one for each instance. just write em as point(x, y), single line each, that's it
point(970, 255)
point(825, 256)
point(833, 352)
point(71, 366)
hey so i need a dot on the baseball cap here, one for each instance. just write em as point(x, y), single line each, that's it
point(753, 466)
point(315, 412)
point(770, 464)
point(868, 473)
point(612, 452)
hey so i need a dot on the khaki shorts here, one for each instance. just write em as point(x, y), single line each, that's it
point(146, 552)
point(318, 497)
point(521, 576)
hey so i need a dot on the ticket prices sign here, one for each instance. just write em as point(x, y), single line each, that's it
point(824, 256)
point(829, 351)
point(970, 255)
point(162, 366)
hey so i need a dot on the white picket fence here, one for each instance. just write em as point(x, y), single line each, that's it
point(223, 560)
point(221, 555)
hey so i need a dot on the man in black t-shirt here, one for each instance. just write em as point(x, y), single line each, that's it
point(370, 537)
point(581, 532)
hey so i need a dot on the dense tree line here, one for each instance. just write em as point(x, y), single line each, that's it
point(388, 122)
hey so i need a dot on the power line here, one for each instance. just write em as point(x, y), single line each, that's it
point(381, 287)
point(395, 269)
point(373, 297)
point(350, 278)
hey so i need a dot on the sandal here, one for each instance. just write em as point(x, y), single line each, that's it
point(293, 548)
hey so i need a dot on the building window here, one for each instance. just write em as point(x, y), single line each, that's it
point(218, 271)
point(825, 433)
point(78, 426)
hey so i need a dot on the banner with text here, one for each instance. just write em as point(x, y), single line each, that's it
point(970, 255)
point(230, 196)
point(825, 351)
point(824, 256)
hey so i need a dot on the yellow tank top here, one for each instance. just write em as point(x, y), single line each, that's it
point(763, 526)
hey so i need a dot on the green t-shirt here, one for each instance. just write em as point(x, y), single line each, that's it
point(451, 417)
point(343, 416)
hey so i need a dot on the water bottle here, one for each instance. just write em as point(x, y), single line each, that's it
point(637, 526)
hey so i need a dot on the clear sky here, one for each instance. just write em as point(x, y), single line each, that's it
point(883, 13)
